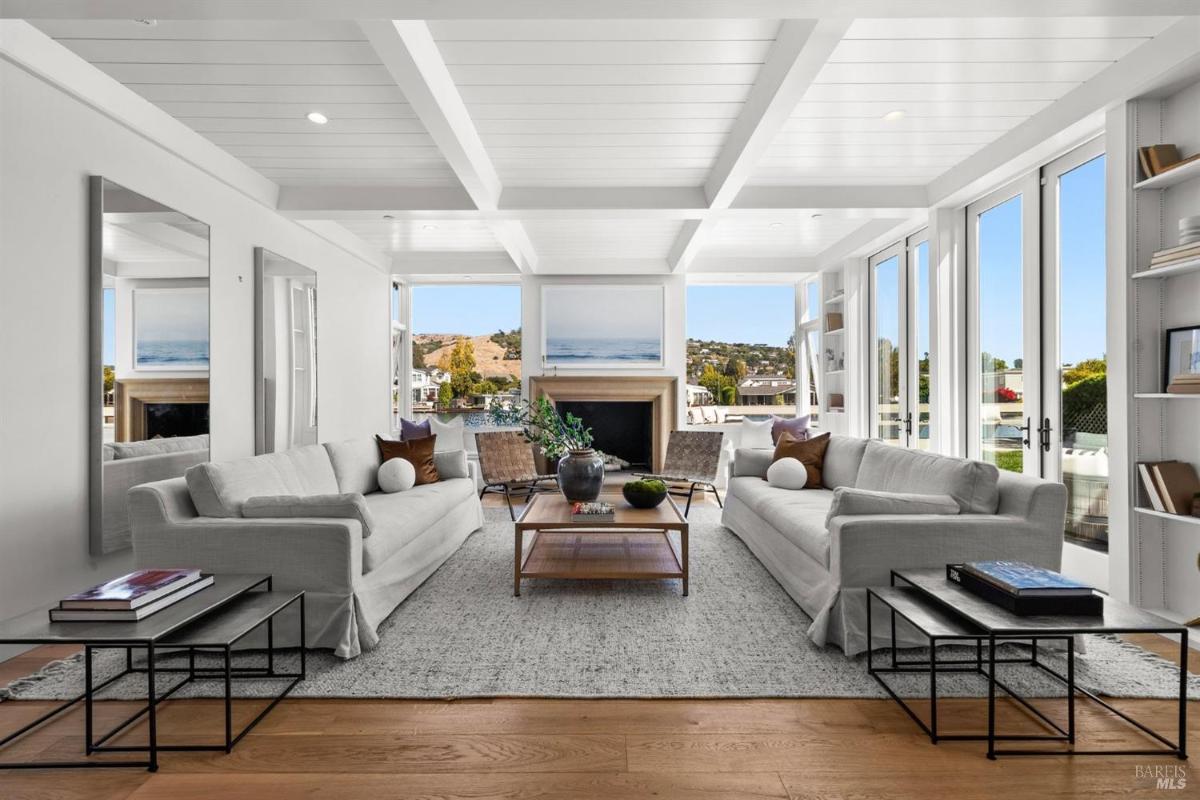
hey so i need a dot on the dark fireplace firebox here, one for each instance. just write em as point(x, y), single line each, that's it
point(166, 420)
point(620, 428)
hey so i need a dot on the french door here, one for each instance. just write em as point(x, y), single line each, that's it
point(900, 331)
point(1036, 378)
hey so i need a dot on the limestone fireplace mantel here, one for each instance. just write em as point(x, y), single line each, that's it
point(131, 395)
point(660, 391)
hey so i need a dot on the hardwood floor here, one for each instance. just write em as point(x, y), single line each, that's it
point(816, 749)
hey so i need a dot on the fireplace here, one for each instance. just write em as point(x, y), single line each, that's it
point(656, 395)
point(622, 428)
point(175, 419)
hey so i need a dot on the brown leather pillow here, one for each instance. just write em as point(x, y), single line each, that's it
point(418, 452)
point(809, 452)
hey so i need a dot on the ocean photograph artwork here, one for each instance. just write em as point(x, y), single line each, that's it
point(590, 325)
point(170, 329)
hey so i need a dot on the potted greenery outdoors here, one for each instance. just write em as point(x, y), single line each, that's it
point(580, 467)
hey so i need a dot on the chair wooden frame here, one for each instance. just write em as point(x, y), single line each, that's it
point(506, 461)
point(691, 462)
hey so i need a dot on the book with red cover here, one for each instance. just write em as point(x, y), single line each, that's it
point(132, 590)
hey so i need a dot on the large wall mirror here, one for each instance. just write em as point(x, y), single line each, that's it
point(285, 380)
point(149, 351)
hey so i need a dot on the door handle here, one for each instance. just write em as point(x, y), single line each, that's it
point(1044, 434)
point(1025, 429)
point(908, 424)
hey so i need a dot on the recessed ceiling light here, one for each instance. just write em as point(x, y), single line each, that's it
point(893, 116)
point(818, 215)
point(775, 225)
point(388, 216)
point(317, 117)
point(429, 227)
point(149, 23)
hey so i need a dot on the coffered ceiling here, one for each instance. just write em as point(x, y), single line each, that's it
point(588, 136)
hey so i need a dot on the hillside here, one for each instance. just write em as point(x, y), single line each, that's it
point(489, 356)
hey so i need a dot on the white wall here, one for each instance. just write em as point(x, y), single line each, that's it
point(50, 143)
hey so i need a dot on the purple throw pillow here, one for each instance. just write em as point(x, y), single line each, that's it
point(796, 426)
point(417, 430)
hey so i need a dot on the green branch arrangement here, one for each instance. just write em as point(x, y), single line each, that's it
point(542, 425)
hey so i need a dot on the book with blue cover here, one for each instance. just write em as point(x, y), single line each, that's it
point(1025, 580)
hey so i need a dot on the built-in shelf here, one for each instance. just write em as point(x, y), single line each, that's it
point(1150, 512)
point(1165, 396)
point(835, 411)
point(834, 371)
point(1171, 177)
point(835, 330)
point(1182, 268)
point(837, 298)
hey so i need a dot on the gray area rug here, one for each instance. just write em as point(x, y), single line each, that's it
point(463, 634)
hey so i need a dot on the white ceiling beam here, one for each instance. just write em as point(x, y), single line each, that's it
point(340, 237)
point(801, 49)
point(1075, 116)
point(168, 237)
point(566, 203)
point(579, 9)
point(408, 51)
point(419, 263)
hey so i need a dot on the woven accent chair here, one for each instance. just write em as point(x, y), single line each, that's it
point(692, 459)
point(506, 461)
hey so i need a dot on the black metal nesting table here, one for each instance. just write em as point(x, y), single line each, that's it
point(945, 612)
point(213, 620)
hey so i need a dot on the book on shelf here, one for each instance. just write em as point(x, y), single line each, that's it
point(833, 321)
point(1149, 485)
point(177, 593)
point(1186, 383)
point(593, 512)
point(1175, 255)
point(1157, 158)
point(1177, 485)
point(1025, 589)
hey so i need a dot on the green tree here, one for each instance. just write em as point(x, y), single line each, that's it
point(460, 363)
point(735, 368)
point(1084, 369)
point(989, 363)
point(445, 395)
point(109, 377)
point(728, 395)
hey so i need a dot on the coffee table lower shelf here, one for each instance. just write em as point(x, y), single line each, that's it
point(601, 555)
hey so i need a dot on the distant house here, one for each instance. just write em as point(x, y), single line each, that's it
point(425, 383)
point(766, 390)
point(698, 395)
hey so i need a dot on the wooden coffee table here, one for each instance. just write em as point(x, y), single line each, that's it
point(637, 545)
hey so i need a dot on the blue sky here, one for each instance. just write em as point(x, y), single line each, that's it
point(469, 310)
point(741, 314)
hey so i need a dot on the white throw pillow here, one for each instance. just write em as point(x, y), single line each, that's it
point(396, 475)
point(449, 434)
point(787, 473)
point(757, 434)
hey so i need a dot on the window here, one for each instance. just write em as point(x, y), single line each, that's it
point(900, 343)
point(810, 353)
point(741, 352)
point(465, 349)
point(399, 334)
point(1037, 327)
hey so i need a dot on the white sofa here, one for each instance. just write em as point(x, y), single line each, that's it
point(352, 578)
point(826, 567)
point(127, 464)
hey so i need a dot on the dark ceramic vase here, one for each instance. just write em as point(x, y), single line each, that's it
point(581, 475)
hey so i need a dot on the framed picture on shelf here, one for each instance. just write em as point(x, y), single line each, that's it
point(1181, 362)
point(588, 325)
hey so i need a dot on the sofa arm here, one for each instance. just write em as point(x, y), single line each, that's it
point(319, 555)
point(863, 550)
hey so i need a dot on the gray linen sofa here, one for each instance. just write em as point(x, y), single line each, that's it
point(826, 565)
point(352, 577)
point(127, 464)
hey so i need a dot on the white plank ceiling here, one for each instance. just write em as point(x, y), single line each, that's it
point(959, 84)
point(606, 105)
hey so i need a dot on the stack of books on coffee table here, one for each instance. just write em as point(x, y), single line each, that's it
point(131, 597)
point(1026, 590)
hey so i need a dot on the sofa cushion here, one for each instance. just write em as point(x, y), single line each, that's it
point(450, 435)
point(972, 484)
point(452, 464)
point(848, 501)
point(402, 517)
point(414, 430)
point(219, 489)
point(787, 473)
point(396, 475)
point(419, 452)
point(748, 462)
point(809, 452)
point(157, 447)
point(356, 464)
point(796, 426)
point(842, 460)
point(338, 506)
point(756, 433)
point(798, 516)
